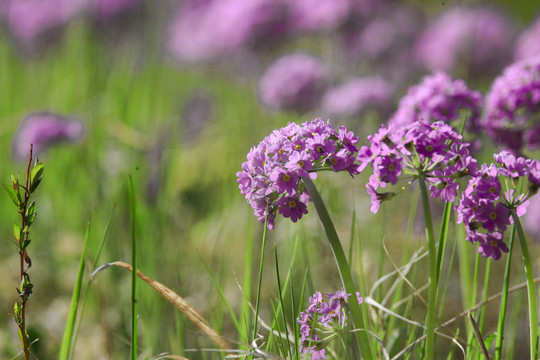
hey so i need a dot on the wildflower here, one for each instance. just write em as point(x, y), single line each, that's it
point(323, 321)
point(481, 36)
point(485, 205)
point(438, 98)
point(44, 129)
point(204, 31)
point(293, 82)
point(512, 106)
point(355, 96)
point(271, 178)
point(527, 43)
point(433, 151)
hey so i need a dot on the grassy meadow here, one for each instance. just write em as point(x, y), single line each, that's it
point(180, 133)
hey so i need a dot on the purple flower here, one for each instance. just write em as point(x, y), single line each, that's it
point(29, 19)
point(272, 177)
point(438, 98)
point(44, 129)
point(318, 15)
point(512, 106)
point(493, 216)
point(207, 30)
point(293, 82)
point(491, 245)
point(291, 207)
point(433, 151)
point(107, 9)
point(323, 321)
point(484, 212)
point(481, 36)
point(527, 44)
point(355, 96)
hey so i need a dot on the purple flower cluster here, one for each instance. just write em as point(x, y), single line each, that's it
point(527, 43)
point(513, 105)
point(323, 321)
point(44, 129)
point(433, 151)
point(294, 81)
point(356, 95)
point(484, 207)
point(481, 36)
point(271, 178)
point(438, 97)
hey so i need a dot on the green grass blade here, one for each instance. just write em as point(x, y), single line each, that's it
point(132, 206)
point(85, 293)
point(343, 266)
point(432, 297)
point(281, 306)
point(442, 237)
point(531, 291)
point(70, 323)
point(259, 285)
point(504, 298)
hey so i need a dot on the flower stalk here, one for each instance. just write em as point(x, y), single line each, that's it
point(531, 292)
point(343, 267)
point(433, 272)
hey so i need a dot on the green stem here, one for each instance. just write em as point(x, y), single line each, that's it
point(504, 298)
point(344, 269)
point(531, 292)
point(433, 271)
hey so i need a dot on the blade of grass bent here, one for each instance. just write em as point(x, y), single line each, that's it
point(70, 323)
point(179, 302)
point(343, 267)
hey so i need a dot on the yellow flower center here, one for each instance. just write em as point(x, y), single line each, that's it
point(286, 177)
point(292, 204)
point(391, 167)
point(494, 243)
point(301, 163)
point(297, 147)
point(492, 215)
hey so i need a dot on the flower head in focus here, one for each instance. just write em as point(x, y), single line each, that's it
point(323, 322)
point(432, 151)
point(271, 178)
point(486, 204)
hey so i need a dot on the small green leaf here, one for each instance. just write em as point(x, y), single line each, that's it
point(17, 232)
point(31, 210)
point(13, 194)
point(36, 174)
point(15, 182)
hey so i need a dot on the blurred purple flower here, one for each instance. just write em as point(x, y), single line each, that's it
point(356, 95)
point(44, 129)
point(28, 19)
point(531, 220)
point(293, 82)
point(392, 31)
point(318, 15)
point(478, 37)
point(528, 42)
point(438, 97)
point(512, 106)
point(107, 9)
point(205, 30)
